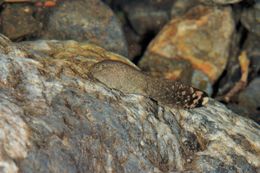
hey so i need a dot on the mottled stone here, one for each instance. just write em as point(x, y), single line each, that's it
point(202, 37)
point(219, 2)
point(134, 42)
point(157, 66)
point(252, 47)
point(253, 51)
point(200, 80)
point(250, 18)
point(250, 99)
point(232, 71)
point(14, 131)
point(70, 53)
point(56, 120)
point(147, 16)
point(17, 21)
point(182, 6)
point(88, 20)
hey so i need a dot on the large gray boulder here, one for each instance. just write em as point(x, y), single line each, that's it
point(54, 119)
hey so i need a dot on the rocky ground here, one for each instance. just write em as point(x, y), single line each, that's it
point(198, 42)
point(54, 118)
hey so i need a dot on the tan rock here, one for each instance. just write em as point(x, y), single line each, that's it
point(73, 56)
point(202, 37)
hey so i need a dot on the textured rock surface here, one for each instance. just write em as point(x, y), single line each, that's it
point(201, 37)
point(251, 18)
point(252, 46)
point(147, 15)
point(249, 95)
point(77, 56)
point(89, 20)
point(181, 6)
point(219, 2)
point(53, 119)
point(250, 99)
point(18, 21)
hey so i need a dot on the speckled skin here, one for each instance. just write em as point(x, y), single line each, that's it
point(125, 78)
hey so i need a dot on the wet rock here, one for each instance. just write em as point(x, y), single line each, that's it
point(89, 20)
point(147, 16)
point(250, 18)
point(250, 99)
point(17, 21)
point(54, 118)
point(201, 37)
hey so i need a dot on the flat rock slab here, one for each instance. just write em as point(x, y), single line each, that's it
point(55, 120)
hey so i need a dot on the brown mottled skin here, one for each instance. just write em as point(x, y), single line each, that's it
point(125, 78)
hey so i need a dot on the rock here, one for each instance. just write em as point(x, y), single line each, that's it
point(18, 21)
point(247, 101)
point(201, 37)
point(252, 46)
point(172, 70)
point(65, 51)
point(89, 20)
point(182, 6)
point(232, 72)
point(53, 119)
point(219, 2)
point(148, 16)
point(200, 80)
point(138, 27)
point(134, 42)
point(250, 18)
point(250, 99)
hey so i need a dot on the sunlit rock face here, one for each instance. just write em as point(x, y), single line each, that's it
point(55, 119)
